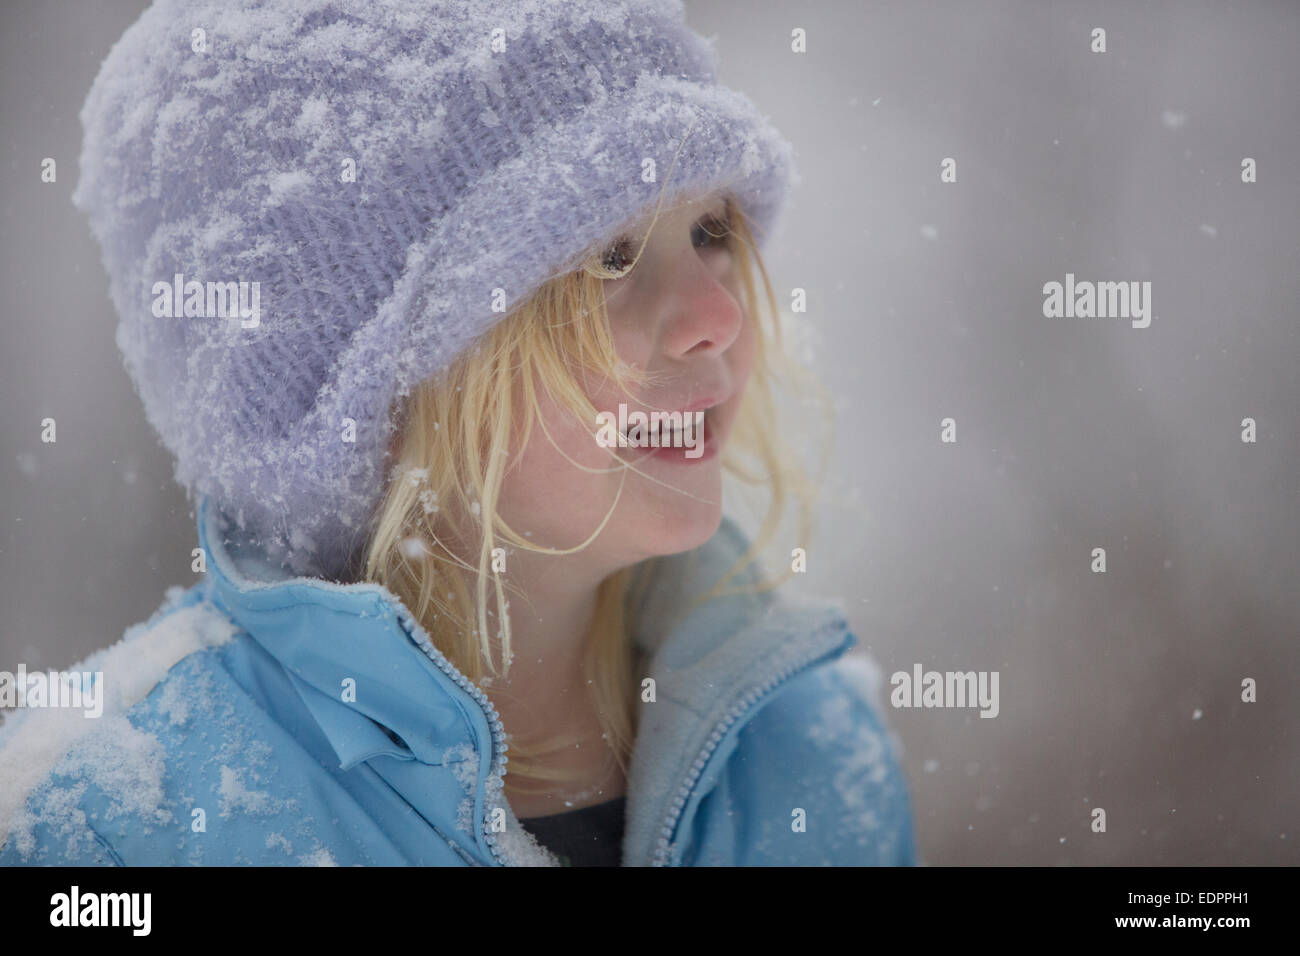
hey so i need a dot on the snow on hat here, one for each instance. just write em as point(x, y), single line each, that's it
point(378, 168)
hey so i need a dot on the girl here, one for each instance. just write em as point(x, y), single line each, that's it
point(486, 243)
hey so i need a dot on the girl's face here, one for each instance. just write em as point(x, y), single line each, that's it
point(677, 314)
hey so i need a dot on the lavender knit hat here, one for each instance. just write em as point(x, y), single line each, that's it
point(380, 169)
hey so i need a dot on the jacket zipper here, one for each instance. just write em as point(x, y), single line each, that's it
point(745, 705)
point(741, 708)
point(498, 767)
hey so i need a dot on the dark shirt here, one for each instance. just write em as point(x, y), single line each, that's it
point(591, 836)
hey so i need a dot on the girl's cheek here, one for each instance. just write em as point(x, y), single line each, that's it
point(742, 351)
point(633, 346)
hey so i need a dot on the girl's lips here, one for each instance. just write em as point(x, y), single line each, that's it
point(707, 451)
point(703, 451)
point(705, 405)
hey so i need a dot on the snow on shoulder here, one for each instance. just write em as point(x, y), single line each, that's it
point(864, 677)
point(34, 742)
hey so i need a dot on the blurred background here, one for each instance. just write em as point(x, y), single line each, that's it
point(1119, 690)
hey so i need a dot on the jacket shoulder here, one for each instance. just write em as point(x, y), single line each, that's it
point(69, 771)
point(816, 776)
point(204, 754)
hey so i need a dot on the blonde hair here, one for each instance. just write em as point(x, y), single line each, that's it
point(457, 432)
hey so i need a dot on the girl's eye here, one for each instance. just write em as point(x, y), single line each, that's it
point(618, 257)
point(710, 231)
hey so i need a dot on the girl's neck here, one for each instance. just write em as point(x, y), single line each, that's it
point(547, 694)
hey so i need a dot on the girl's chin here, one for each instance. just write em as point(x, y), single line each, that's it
point(684, 530)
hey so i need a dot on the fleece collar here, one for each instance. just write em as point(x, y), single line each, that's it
point(713, 667)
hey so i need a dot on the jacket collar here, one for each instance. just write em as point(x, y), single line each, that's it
point(710, 664)
point(339, 644)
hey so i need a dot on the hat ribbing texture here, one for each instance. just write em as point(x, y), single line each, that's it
point(494, 146)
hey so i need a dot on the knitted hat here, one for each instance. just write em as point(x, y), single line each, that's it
point(383, 176)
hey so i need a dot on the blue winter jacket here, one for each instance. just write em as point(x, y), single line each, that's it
point(262, 719)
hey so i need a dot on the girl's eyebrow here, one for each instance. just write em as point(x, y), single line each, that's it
point(715, 206)
point(636, 231)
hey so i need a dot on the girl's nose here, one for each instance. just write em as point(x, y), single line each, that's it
point(703, 318)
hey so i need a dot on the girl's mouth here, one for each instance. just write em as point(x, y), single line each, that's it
point(703, 451)
point(693, 441)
